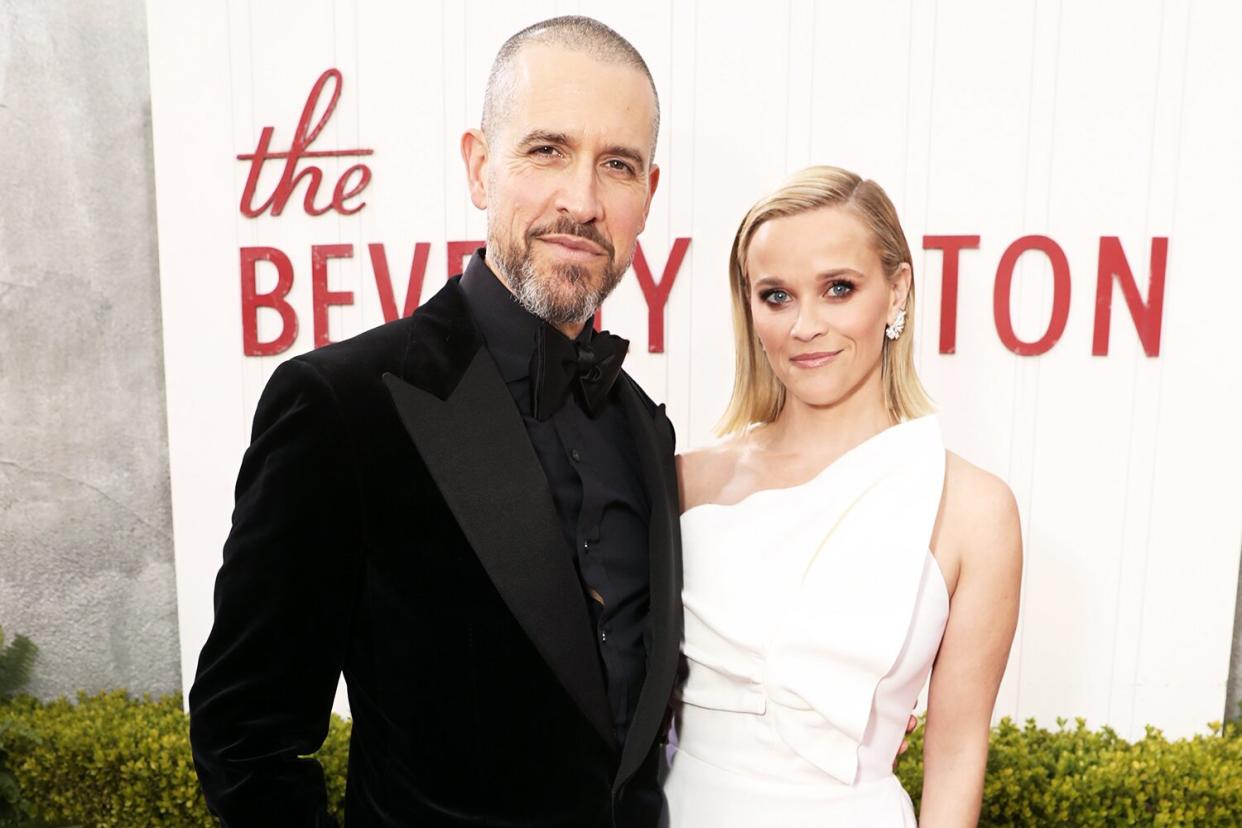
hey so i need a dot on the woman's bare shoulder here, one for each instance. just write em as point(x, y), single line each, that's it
point(703, 472)
point(979, 513)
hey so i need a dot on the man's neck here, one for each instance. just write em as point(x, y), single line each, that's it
point(571, 330)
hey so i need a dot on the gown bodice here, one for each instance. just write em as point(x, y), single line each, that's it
point(813, 615)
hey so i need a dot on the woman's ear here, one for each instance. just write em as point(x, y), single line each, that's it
point(900, 290)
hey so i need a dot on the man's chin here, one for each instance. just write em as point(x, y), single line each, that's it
point(568, 283)
point(569, 306)
point(557, 298)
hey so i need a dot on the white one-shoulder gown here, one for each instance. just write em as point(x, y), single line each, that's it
point(813, 615)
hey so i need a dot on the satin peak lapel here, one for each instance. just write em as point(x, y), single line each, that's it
point(476, 448)
point(653, 441)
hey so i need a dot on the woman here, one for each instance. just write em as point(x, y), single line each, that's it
point(833, 548)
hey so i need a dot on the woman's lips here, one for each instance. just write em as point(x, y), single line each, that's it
point(814, 360)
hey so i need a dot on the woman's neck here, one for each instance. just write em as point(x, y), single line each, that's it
point(826, 432)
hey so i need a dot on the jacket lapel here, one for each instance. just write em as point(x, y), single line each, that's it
point(470, 435)
point(653, 437)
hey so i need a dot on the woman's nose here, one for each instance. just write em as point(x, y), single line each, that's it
point(808, 325)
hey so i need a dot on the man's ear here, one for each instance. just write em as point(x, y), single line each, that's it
point(474, 153)
point(653, 181)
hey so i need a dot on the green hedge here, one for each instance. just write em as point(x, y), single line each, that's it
point(109, 760)
point(1073, 776)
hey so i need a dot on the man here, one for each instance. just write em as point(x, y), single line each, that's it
point(472, 512)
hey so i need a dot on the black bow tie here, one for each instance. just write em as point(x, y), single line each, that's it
point(560, 365)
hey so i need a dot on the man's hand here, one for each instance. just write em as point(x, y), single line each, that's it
point(905, 744)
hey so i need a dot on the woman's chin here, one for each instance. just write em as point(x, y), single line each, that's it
point(819, 397)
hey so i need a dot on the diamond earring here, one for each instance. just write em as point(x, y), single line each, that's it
point(899, 324)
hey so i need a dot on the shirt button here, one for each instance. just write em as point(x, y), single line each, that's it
point(576, 455)
point(603, 636)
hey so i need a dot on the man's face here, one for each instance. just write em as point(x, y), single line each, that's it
point(566, 180)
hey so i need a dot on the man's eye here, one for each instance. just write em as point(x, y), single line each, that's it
point(775, 296)
point(545, 150)
point(620, 166)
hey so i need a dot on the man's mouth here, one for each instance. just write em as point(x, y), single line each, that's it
point(574, 247)
point(575, 243)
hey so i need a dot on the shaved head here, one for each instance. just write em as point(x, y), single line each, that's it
point(579, 34)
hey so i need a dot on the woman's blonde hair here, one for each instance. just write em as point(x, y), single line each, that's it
point(758, 395)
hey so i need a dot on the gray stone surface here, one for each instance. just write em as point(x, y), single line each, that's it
point(1233, 697)
point(86, 558)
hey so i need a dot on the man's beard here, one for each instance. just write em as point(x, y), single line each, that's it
point(563, 294)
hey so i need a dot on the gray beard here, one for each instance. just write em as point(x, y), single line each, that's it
point(552, 306)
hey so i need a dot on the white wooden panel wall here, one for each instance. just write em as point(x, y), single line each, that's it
point(1070, 120)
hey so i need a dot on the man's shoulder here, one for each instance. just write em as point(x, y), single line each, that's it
point(649, 404)
point(346, 376)
point(388, 347)
point(382, 348)
point(655, 411)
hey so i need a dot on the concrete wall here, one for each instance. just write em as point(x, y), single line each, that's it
point(86, 558)
point(1234, 696)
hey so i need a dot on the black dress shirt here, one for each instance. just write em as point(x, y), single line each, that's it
point(595, 478)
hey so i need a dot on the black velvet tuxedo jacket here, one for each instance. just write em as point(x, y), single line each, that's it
point(394, 523)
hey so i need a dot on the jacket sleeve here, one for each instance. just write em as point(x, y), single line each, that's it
point(266, 678)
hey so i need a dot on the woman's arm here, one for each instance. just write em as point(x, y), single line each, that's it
point(980, 529)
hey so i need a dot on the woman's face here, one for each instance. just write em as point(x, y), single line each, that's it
point(820, 301)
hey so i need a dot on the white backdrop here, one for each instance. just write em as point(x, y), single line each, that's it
point(1073, 121)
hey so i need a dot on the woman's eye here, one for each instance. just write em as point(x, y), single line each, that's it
point(774, 296)
point(837, 290)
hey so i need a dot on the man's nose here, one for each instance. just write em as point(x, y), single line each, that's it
point(579, 193)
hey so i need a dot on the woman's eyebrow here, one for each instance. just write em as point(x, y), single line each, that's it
point(839, 271)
